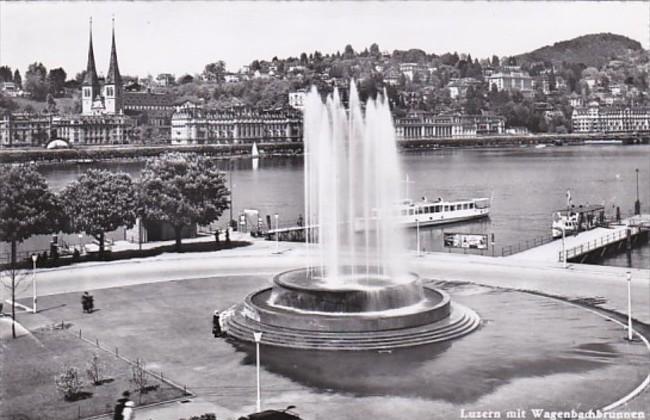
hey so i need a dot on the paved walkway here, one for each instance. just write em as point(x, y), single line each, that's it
point(266, 258)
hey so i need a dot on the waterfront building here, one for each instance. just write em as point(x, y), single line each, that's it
point(93, 130)
point(422, 125)
point(194, 124)
point(24, 129)
point(511, 80)
point(595, 118)
point(154, 109)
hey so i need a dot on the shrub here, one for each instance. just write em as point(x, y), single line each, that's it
point(139, 376)
point(69, 383)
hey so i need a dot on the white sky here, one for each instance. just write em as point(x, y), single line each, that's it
point(181, 37)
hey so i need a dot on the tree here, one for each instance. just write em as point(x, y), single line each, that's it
point(100, 201)
point(215, 71)
point(182, 190)
point(36, 83)
point(27, 208)
point(18, 80)
point(51, 103)
point(348, 52)
point(374, 50)
point(495, 61)
point(5, 74)
point(185, 79)
point(56, 79)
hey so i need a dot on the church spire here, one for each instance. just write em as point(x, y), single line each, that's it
point(113, 76)
point(90, 79)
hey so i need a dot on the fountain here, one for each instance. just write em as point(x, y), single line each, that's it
point(355, 292)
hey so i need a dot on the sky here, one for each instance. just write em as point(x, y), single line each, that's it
point(181, 37)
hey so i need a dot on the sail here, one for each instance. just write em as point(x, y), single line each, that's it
point(255, 153)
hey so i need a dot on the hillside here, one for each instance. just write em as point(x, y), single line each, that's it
point(591, 50)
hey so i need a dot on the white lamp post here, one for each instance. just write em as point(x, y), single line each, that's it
point(34, 258)
point(277, 234)
point(563, 250)
point(417, 233)
point(258, 338)
point(629, 306)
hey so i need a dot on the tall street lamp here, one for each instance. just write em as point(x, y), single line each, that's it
point(34, 258)
point(417, 233)
point(277, 234)
point(637, 203)
point(258, 338)
point(629, 306)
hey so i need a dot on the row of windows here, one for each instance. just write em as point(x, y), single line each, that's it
point(437, 209)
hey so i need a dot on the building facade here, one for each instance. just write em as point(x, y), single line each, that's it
point(417, 126)
point(193, 124)
point(26, 129)
point(93, 130)
point(595, 118)
point(510, 81)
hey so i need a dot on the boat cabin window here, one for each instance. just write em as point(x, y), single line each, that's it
point(446, 208)
point(471, 205)
point(411, 212)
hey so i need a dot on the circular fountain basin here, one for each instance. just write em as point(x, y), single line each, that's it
point(366, 312)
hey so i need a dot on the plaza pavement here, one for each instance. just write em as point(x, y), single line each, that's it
point(266, 258)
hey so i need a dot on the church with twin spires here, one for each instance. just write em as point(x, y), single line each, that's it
point(95, 98)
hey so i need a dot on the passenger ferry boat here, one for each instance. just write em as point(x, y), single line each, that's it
point(428, 213)
point(577, 219)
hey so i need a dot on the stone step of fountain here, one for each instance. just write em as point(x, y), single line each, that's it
point(243, 324)
point(243, 328)
point(311, 344)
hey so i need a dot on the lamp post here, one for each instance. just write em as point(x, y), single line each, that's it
point(277, 234)
point(417, 233)
point(563, 250)
point(637, 203)
point(258, 338)
point(34, 258)
point(629, 306)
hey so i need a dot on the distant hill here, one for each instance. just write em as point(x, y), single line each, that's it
point(592, 50)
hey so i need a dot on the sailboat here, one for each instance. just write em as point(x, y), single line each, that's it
point(254, 152)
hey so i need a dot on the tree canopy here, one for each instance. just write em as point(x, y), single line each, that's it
point(100, 201)
point(182, 190)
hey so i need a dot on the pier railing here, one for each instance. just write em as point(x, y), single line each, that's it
point(597, 243)
point(524, 245)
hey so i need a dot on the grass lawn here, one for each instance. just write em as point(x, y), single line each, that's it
point(30, 364)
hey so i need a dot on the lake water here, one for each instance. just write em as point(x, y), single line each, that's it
point(526, 185)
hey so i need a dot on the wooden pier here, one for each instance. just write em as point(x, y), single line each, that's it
point(593, 244)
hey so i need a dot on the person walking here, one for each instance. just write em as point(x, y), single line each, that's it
point(129, 411)
point(119, 406)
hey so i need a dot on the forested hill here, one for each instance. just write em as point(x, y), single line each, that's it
point(593, 50)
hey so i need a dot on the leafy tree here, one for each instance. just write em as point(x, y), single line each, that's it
point(18, 80)
point(27, 208)
point(51, 103)
point(348, 53)
point(182, 190)
point(374, 50)
point(100, 201)
point(7, 103)
point(56, 79)
point(36, 83)
point(215, 71)
point(183, 80)
point(303, 59)
point(5, 74)
point(495, 61)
